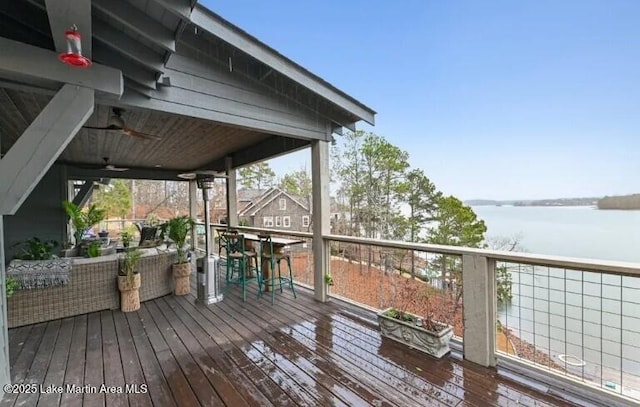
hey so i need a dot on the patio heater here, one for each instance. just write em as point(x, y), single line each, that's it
point(209, 287)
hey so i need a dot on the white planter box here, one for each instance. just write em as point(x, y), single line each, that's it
point(434, 343)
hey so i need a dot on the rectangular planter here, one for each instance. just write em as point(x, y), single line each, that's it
point(434, 343)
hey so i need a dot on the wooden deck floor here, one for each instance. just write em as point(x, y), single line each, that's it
point(298, 352)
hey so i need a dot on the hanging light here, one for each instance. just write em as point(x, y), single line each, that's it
point(73, 56)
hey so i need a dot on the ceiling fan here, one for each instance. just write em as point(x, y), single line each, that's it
point(117, 123)
point(194, 174)
point(111, 167)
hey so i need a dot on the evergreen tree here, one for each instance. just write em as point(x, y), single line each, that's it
point(257, 176)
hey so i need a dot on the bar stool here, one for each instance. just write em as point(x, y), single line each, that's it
point(239, 258)
point(222, 241)
point(267, 254)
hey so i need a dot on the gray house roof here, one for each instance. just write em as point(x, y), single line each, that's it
point(269, 196)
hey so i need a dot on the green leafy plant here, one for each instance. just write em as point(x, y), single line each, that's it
point(129, 263)
point(127, 236)
point(177, 230)
point(11, 285)
point(36, 249)
point(83, 220)
point(93, 250)
point(328, 279)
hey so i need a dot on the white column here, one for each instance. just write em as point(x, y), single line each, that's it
point(5, 374)
point(232, 194)
point(479, 298)
point(193, 211)
point(320, 204)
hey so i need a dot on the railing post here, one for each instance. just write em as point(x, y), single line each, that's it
point(193, 211)
point(232, 194)
point(479, 303)
point(5, 376)
point(320, 195)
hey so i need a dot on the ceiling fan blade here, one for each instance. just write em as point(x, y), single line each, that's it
point(134, 133)
point(113, 168)
point(108, 128)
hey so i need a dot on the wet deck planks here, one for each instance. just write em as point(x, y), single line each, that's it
point(297, 352)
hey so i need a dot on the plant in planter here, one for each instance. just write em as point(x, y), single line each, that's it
point(416, 331)
point(11, 285)
point(93, 250)
point(177, 229)
point(127, 237)
point(82, 220)
point(36, 249)
point(36, 266)
point(129, 281)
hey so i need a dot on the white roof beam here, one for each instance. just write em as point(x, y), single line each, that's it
point(41, 144)
point(63, 14)
point(24, 60)
point(137, 21)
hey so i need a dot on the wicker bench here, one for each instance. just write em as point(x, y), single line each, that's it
point(92, 287)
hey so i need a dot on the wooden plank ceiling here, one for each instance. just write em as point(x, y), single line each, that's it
point(185, 143)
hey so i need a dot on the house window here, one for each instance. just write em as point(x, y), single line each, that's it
point(267, 221)
point(278, 221)
point(305, 221)
point(286, 221)
point(283, 204)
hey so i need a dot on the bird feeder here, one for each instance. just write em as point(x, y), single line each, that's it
point(73, 56)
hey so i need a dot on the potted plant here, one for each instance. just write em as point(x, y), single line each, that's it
point(417, 331)
point(36, 249)
point(127, 237)
point(129, 281)
point(94, 249)
point(36, 266)
point(11, 285)
point(82, 220)
point(177, 229)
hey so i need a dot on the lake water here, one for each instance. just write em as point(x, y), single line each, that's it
point(578, 231)
point(588, 318)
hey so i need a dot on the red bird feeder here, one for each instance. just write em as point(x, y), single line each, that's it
point(73, 56)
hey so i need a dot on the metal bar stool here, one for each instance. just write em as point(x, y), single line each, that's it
point(222, 240)
point(271, 257)
point(239, 259)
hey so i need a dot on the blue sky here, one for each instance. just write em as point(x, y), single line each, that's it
point(492, 99)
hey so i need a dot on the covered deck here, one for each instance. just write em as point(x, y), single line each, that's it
point(297, 352)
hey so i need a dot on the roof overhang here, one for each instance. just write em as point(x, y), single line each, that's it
point(180, 71)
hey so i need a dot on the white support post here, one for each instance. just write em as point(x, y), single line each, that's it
point(5, 373)
point(320, 197)
point(42, 142)
point(232, 194)
point(479, 299)
point(193, 211)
